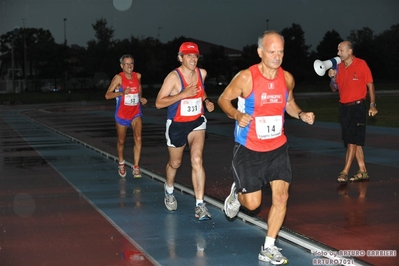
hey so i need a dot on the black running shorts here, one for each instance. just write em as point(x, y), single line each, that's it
point(353, 123)
point(177, 132)
point(252, 169)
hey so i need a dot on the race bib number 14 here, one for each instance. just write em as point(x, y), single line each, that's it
point(268, 127)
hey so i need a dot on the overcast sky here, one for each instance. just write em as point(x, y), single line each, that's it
point(231, 23)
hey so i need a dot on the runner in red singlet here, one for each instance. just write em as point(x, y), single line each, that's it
point(125, 87)
point(264, 92)
point(183, 93)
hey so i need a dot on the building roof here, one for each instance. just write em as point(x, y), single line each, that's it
point(205, 48)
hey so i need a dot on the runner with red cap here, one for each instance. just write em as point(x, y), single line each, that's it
point(183, 93)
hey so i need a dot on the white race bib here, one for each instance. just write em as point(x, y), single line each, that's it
point(190, 107)
point(268, 127)
point(131, 99)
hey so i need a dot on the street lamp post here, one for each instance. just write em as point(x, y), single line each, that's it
point(65, 40)
point(15, 32)
point(65, 44)
point(12, 65)
point(25, 55)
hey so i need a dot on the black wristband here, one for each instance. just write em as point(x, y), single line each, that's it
point(299, 115)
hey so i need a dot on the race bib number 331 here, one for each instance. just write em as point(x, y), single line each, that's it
point(190, 107)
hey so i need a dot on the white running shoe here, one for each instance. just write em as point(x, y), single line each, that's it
point(136, 172)
point(121, 169)
point(202, 213)
point(272, 254)
point(231, 203)
point(170, 201)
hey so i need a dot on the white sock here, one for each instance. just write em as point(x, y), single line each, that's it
point(269, 242)
point(198, 202)
point(169, 189)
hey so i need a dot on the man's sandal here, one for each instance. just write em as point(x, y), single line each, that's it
point(343, 177)
point(360, 176)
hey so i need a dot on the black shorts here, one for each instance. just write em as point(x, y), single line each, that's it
point(177, 132)
point(353, 123)
point(252, 169)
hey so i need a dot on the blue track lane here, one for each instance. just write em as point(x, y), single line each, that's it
point(135, 206)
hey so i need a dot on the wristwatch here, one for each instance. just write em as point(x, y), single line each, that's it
point(373, 105)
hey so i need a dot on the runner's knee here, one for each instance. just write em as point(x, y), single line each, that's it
point(121, 141)
point(137, 139)
point(175, 164)
point(251, 203)
point(280, 198)
point(196, 160)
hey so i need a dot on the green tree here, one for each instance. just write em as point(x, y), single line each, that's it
point(39, 43)
point(296, 52)
point(100, 52)
point(387, 61)
point(169, 58)
point(249, 57)
point(364, 46)
point(218, 64)
point(150, 54)
point(327, 48)
point(45, 59)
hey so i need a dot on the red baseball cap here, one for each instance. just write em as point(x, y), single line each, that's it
point(189, 48)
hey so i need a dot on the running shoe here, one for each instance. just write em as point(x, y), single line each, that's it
point(121, 169)
point(136, 172)
point(272, 254)
point(170, 201)
point(202, 213)
point(231, 203)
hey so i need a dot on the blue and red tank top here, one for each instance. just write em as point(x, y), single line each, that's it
point(128, 105)
point(188, 109)
point(266, 104)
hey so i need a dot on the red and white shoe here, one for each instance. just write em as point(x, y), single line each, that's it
point(121, 169)
point(136, 171)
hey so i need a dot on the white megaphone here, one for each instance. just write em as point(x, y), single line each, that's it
point(322, 66)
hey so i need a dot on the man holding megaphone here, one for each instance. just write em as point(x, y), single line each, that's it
point(350, 79)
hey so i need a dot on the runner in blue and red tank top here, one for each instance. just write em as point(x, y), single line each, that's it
point(125, 87)
point(264, 92)
point(183, 93)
